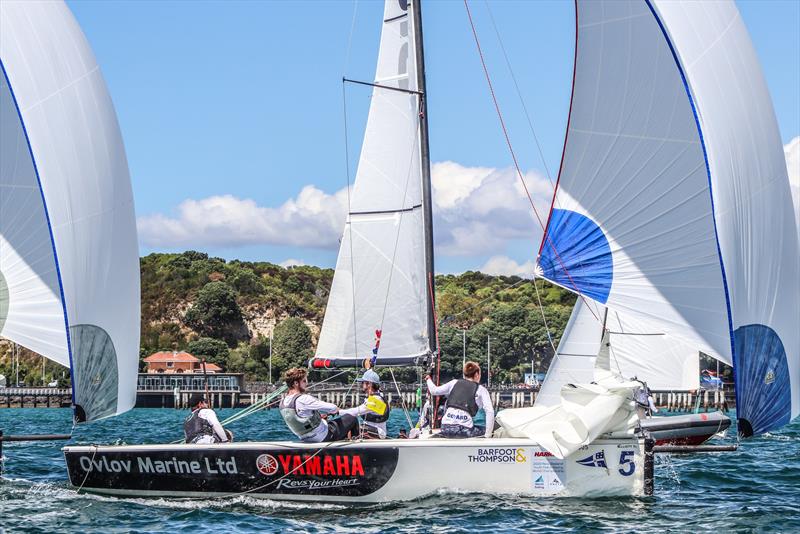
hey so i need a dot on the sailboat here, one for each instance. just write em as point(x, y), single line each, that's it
point(658, 361)
point(633, 227)
point(69, 261)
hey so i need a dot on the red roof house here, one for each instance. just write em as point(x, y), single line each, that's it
point(177, 362)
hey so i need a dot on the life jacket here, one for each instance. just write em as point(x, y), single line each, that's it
point(195, 427)
point(462, 396)
point(299, 425)
point(378, 409)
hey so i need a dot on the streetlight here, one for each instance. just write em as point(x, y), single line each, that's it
point(270, 357)
point(463, 348)
point(488, 362)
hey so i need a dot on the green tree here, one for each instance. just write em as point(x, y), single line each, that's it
point(291, 345)
point(213, 350)
point(216, 313)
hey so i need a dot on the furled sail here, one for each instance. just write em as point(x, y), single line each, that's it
point(69, 268)
point(379, 285)
point(636, 351)
point(673, 200)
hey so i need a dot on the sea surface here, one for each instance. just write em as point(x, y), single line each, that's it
point(756, 489)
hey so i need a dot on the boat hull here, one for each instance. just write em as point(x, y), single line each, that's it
point(359, 471)
point(691, 429)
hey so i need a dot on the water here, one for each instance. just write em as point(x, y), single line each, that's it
point(756, 489)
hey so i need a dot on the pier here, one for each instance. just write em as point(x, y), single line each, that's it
point(229, 390)
point(35, 397)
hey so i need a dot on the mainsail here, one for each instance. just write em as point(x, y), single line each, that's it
point(636, 351)
point(69, 268)
point(673, 201)
point(380, 286)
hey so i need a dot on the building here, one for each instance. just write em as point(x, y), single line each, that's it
point(177, 362)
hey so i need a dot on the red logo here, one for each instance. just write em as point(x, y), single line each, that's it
point(267, 464)
point(307, 464)
point(543, 453)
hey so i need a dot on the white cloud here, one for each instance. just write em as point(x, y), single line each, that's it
point(792, 152)
point(477, 209)
point(497, 265)
point(312, 219)
point(291, 262)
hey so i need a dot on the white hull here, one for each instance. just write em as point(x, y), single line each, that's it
point(359, 471)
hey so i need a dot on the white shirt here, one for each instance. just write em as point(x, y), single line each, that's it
point(454, 416)
point(209, 416)
point(305, 406)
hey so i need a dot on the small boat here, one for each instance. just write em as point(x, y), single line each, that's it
point(658, 361)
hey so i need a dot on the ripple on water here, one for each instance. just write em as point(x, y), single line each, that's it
point(755, 489)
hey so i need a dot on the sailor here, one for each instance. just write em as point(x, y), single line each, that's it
point(374, 409)
point(306, 415)
point(202, 426)
point(465, 396)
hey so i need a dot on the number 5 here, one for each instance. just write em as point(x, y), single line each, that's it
point(626, 464)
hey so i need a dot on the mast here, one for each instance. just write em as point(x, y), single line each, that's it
point(425, 161)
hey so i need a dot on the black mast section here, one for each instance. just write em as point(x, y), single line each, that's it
point(425, 160)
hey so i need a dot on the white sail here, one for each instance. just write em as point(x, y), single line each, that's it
point(673, 202)
point(68, 247)
point(636, 351)
point(379, 283)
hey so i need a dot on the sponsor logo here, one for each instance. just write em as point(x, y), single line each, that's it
point(769, 378)
point(499, 456)
point(597, 459)
point(267, 464)
point(311, 465)
point(312, 484)
point(168, 466)
point(539, 482)
point(545, 454)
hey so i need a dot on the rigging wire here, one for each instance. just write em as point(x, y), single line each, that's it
point(544, 319)
point(519, 94)
point(349, 223)
point(514, 155)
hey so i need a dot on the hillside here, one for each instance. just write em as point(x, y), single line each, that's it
point(227, 310)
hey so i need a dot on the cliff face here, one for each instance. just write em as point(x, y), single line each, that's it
point(190, 295)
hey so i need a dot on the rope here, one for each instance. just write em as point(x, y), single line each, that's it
point(402, 400)
point(349, 224)
point(91, 468)
point(514, 155)
point(546, 327)
point(519, 94)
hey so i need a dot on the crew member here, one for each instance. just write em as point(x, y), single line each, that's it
point(202, 426)
point(374, 409)
point(306, 415)
point(465, 396)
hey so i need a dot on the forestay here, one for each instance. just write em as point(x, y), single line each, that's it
point(379, 283)
point(636, 351)
point(673, 201)
point(69, 268)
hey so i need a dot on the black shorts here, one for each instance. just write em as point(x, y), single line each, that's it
point(339, 428)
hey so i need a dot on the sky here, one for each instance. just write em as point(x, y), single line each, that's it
point(233, 117)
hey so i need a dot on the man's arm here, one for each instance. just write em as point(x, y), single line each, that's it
point(309, 402)
point(212, 419)
point(444, 389)
point(485, 401)
point(361, 409)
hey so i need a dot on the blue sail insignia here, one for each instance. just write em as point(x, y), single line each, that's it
point(583, 262)
point(763, 386)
